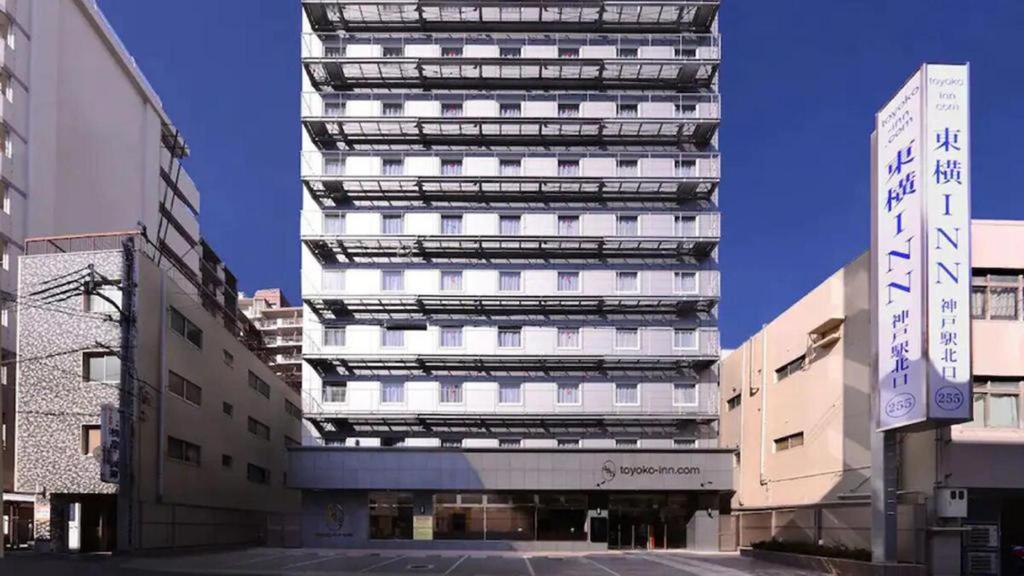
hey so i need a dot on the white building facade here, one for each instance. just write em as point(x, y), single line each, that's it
point(510, 229)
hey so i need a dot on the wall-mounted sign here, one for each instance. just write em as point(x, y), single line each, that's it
point(110, 444)
point(921, 267)
point(423, 527)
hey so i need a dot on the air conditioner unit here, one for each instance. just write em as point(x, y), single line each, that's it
point(982, 535)
point(982, 564)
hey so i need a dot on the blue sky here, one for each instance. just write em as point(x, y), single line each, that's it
point(801, 81)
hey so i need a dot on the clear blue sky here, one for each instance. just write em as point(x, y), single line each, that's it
point(801, 80)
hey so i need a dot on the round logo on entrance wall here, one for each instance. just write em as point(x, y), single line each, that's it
point(949, 398)
point(608, 470)
point(335, 516)
point(900, 405)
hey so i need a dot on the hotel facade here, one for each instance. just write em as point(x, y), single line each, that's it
point(510, 274)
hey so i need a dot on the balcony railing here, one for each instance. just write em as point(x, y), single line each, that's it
point(494, 15)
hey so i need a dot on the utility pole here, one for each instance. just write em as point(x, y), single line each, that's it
point(126, 401)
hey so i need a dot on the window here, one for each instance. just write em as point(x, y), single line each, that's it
point(228, 409)
point(510, 393)
point(334, 391)
point(185, 328)
point(685, 282)
point(788, 442)
point(510, 167)
point(628, 110)
point(334, 280)
point(451, 109)
point(5, 199)
point(568, 281)
point(451, 336)
point(392, 167)
point(334, 166)
point(685, 52)
point(628, 52)
point(184, 389)
point(259, 385)
point(451, 443)
point(91, 439)
point(509, 281)
point(996, 295)
point(568, 168)
point(684, 394)
point(451, 280)
point(334, 223)
point(568, 442)
point(627, 394)
point(451, 393)
point(392, 392)
point(685, 226)
point(227, 461)
point(510, 442)
point(451, 51)
point(568, 110)
point(573, 52)
point(684, 339)
point(686, 168)
point(292, 410)
point(568, 225)
point(510, 52)
point(103, 301)
point(684, 442)
point(332, 51)
point(509, 337)
point(627, 281)
point(626, 442)
point(627, 338)
point(392, 338)
point(627, 226)
point(996, 403)
point(392, 51)
point(569, 338)
point(628, 168)
point(392, 280)
point(101, 367)
point(734, 402)
point(789, 369)
point(510, 110)
point(686, 110)
point(392, 224)
point(229, 358)
point(509, 225)
point(257, 474)
point(392, 109)
point(334, 108)
point(568, 393)
point(259, 429)
point(334, 336)
point(451, 167)
point(182, 451)
point(451, 224)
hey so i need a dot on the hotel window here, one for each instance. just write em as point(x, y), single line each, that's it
point(392, 51)
point(91, 439)
point(684, 282)
point(227, 461)
point(510, 167)
point(334, 337)
point(509, 225)
point(568, 281)
point(628, 168)
point(627, 394)
point(510, 393)
point(568, 442)
point(627, 282)
point(451, 393)
point(5, 198)
point(572, 52)
point(686, 110)
point(183, 451)
point(509, 281)
point(392, 280)
point(392, 167)
point(334, 223)
point(569, 338)
point(685, 168)
point(229, 358)
point(451, 336)
point(259, 429)
point(451, 224)
point(685, 53)
point(392, 224)
point(451, 109)
point(628, 52)
point(685, 226)
point(334, 108)
point(184, 389)
point(451, 280)
point(392, 109)
point(228, 409)
point(510, 52)
point(568, 110)
point(996, 403)
point(626, 442)
point(392, 337)
point(332, 51)
point(510, 442)
point(789, 369)
point(684, 442)
point(257, 474)
point(996, 296)
point(734, 402)
point(568, 225)
point(684, 394)
point(334, 280)
point(510, 337)
point(451, 443)
point(568, 168)
point(684, 339)
point(334, 391)
point(259, 385)
point(789, 442)
point(627, 225)
point(511, 110)
point(392, 392)
point(569, 393)
point(628, 110)
point(334, 167)
point(184, 327)
point(451, 51)
point(627, 338)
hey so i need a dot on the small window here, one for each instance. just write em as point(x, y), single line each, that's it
point(509, 393)
point(573, 52)
point(392, 167)
point(451, 443)
point(451, 336)
point(451, 393)
point(509, 281)
point(684, 339)
point(292, 410)
point(392, 51)
point(568, 442)
point(451, 109)
point(686, 53)
point(510, 225)
point(569, 338)
point(228, 409)
point(334, 336)
point(511, 110)
point(257, 474)
point(626, 442)
point(451, 280)
point(568, 110)
point(229, 358)
point(510, 167)
point(101, 367)
point(627, 282)
point(685, 168)
point(510, 442)
point(392, 338)
point(334, 223)
point(568, 168)
point(629, 52)
point(627, 226)
point(628, 168)
point(510, 337)
point(789, 442)
point(185, 328)
point(334, 166)
point(334, 108)
point(568, 282)
point(684, 442)
point(684, 394)
point(259, 429)
point(568, 225)
point(259, 385)
point(392, 392)
point(627, 338)
point(451, 224)
point(451, 167)
point(183, 451)
point(184, 389)
point(332, 51)
point(451, 51)
point(227, 461)
point(568, 393)
point(685, 226)
point(91, 440)
point(392, 280)
point(334, 280)
point(685, 282)
point(510, 52)
point(789, 368)
point(334, 391)
point(686, 110)
point(628, 110)
point(392, 109)
point(627, 394)
point(392, 224)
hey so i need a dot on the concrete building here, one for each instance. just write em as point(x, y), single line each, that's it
point(510, 233)
point(280, 328)
point(795, 401)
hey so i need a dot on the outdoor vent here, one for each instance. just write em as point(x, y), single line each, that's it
point(983, 536)
point(982, 564)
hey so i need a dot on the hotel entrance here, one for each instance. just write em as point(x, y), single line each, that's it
point(649, 521)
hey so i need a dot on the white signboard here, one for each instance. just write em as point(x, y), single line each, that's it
point(110, 444)
point(921, 259)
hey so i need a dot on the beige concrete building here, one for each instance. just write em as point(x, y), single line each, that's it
point(795, 401)
point(280, 327)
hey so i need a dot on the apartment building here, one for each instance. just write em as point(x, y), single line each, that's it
point(279, 324)
point(796, 403)
point(510, 274)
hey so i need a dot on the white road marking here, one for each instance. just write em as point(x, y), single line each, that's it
point(605, 568)
point(261, 558)
point(379, 564)
point(529, 566)
point(701, 566)
point(449, 571)
point(329, 556)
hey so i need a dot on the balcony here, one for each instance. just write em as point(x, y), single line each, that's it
point(440, 248)
point(529, 16)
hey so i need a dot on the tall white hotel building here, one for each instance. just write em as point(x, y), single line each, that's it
point(510, 271)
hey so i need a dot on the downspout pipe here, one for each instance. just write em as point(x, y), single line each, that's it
point(764, 399)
